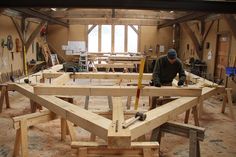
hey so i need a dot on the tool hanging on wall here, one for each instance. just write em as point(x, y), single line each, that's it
point(12, 55)
point(8, 43)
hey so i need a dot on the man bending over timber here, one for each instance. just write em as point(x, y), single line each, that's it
point(165, 70)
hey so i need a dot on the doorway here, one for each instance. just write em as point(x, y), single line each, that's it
point(222, 53)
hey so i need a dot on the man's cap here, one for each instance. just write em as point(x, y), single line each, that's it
point(171, 54)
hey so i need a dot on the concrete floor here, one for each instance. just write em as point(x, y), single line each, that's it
point(44, 139)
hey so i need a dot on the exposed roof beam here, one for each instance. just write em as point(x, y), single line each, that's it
point(185, 5)
point(34, 13)
point(114, 13)
point(98, 21)
point(182, 19)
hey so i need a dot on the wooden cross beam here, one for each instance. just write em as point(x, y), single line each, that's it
point(99, 75)
point(69, 90)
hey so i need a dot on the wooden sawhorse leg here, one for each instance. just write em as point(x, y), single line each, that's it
point(228, 99)
point(4, 94)
point(195, 116)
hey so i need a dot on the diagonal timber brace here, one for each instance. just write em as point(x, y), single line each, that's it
point(94, 123)
point(161, 115)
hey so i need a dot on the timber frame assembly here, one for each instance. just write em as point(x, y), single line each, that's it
point(52, 96)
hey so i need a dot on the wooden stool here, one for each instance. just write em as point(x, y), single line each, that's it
point(227, 98)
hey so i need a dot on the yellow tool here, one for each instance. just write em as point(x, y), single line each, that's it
point(141, 68)
point(24, 60)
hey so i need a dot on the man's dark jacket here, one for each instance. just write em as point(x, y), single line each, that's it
point(164, 72)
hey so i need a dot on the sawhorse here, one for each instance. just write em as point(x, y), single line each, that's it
point(194, 133)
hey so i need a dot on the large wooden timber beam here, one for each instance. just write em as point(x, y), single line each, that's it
point(62, 79)
point(72, 90)
point(34, 34)
point(182, 19)
point(99, 75)
point(117, 136)
point(94, 123)
point(37, 14)
point(161, 115)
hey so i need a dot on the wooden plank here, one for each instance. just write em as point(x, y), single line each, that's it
point(76, 144)
point(52, 75)
point(162, 114)
point(62, 79)
point(117, 136)
point(94, 123)
point(69, 90)
point(125, 58)
point(115, 65)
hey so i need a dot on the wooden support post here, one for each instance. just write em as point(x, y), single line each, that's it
point(187, 116)
point(63, 129)
point(86, 102)
point(200, 108)
point(7, 98)
point(194, 148)
point(24, 138)
point(110, 102)
point(228, 99)
point(128, 103)
point(17, 143)
point(195, 115)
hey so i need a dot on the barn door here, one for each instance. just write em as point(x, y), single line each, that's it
point(221, 61)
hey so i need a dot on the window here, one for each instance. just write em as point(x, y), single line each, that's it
point(125, 38)
point(106, 38)
point(93, 39)
point(119, 38)
point(132, 39)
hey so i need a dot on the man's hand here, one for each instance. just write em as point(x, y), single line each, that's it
point(180, 83)
point(157, 84)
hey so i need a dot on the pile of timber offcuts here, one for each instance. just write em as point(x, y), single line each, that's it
point(83, 114)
